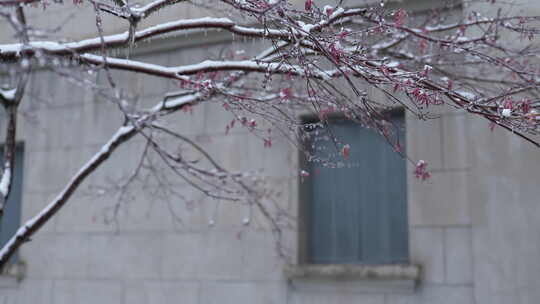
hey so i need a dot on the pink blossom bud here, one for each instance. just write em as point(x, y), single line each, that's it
point(421, 170)
point(252, 123)
point(345, 151)
point(328, 10)
point(308, 4)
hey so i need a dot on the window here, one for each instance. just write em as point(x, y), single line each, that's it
point(355, 208)
point(10, 222)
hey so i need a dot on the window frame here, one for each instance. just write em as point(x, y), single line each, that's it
point(305, 195)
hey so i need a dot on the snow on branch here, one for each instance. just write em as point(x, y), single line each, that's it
point(8, 95)
point(117, 40)
point(8, 51)
point(27, 229)
point(16, 2)
point(122, 135)
point(153, 7)
point(6, 180)
point(204, 67)
point(5, 186)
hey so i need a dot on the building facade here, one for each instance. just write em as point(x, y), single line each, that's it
point(469, 234)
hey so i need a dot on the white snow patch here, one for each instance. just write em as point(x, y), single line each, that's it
point(177, 102)
point(129, 63)
point(305, 27)
point(6, 178)
point(337, 12)
point(8, 94)
point(467, 95)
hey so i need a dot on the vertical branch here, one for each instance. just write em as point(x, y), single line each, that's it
point(99, 26)
point(11, 104)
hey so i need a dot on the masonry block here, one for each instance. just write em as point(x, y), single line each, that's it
point(56, 256)
point(222, 255)
point(35, 291)
point(220, 292)
point(439, 201)
point(84, 213)
point(183, 255)
point(101, 120)
point(125, 256)
point(8, 296)
point(316, 297)
point(263, 246)
point(424, 140)
point(456, 141)
point(427, 250)
point(57, 128)
point(430, 294)
point(159, 292)
point(458, 242)
point(87, 292)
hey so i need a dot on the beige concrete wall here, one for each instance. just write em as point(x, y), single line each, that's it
point(472, 226)
point(150, 257)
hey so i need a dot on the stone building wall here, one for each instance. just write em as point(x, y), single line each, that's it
point(148, 256)
point(472, 227)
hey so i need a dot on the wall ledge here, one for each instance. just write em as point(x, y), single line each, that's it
point(391, 278)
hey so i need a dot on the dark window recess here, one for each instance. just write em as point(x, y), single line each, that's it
point(357, 212)
point(11, 220)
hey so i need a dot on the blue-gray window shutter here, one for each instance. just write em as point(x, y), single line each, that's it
point(358, 213)
point(11, 220)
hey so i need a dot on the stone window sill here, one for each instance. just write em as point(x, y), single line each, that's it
point(398, 278)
